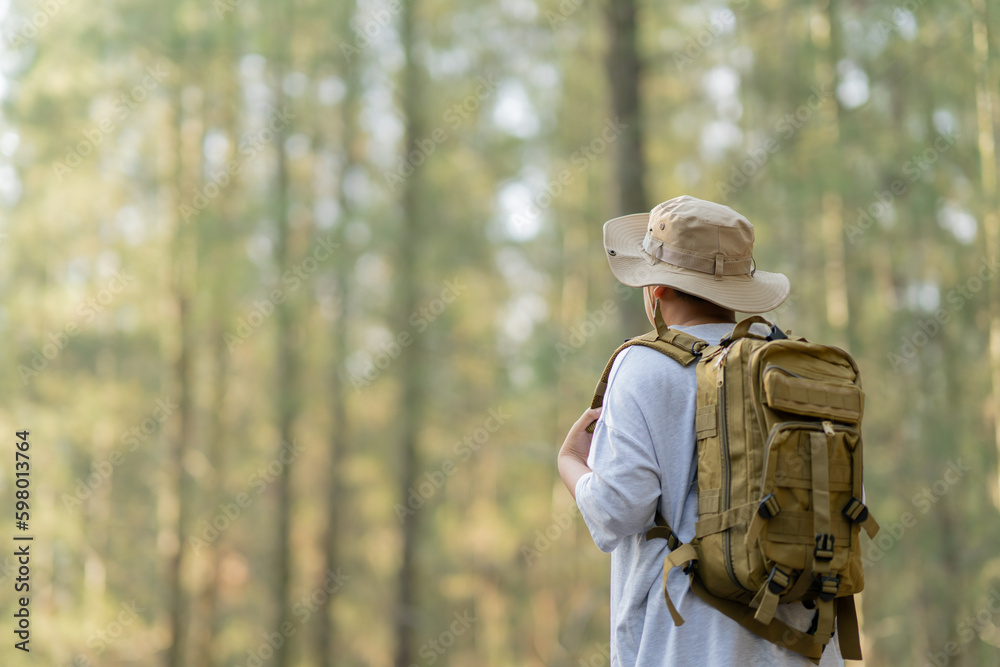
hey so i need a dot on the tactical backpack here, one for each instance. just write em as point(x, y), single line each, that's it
point(779, 483)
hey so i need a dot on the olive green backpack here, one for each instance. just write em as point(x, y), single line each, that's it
point(779, 483)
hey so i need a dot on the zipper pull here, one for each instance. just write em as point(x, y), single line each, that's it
point(828, 427)
point(717, 365)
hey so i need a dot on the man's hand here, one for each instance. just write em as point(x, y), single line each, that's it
point(572, 459)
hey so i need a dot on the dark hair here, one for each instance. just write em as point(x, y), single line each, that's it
point(696, 300)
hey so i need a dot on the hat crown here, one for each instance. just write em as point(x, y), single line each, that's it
point(701, 228)
point(696, 247)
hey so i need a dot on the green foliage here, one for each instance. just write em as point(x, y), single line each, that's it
point(153, 229)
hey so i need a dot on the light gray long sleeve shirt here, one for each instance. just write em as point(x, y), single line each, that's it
point(643, 453)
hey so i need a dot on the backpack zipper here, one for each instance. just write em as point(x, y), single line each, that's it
point(726, 472)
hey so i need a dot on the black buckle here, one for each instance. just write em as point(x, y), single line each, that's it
point(776, 333)
point(824, 547)
point(673, 541)
point(855, 510)
point(828, 587)
point(777, 581)
point(768, 507)
point(814, 625)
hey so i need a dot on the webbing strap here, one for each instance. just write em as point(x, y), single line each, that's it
point(719, 265)
point(857, 472)
point(800, 586)
point(766, 599)
point(869, 524)
point(679, 346)
point(724, 521)
point(757, 522)
point(793, 527)
point(824, 622)
point(682, 555)
point(676, 337)
point(662, 530)
point(742, 328)
point(767, 605)
point(823, 554)
point(776, 632)
point(753, 530)
point(847, 628)
point(679, 556)
point(658, 322)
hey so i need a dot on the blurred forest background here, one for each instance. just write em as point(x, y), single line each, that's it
point(300, 297)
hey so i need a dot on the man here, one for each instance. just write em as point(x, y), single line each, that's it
point(694, 261)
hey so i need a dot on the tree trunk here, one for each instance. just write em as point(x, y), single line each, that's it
point(286, 384)
point(203, 644)
point(409, 362)
point(831, 201)
point(183, 279)
point(987, 112)
point(340, 427)
point(624, 76)
point(624, 70)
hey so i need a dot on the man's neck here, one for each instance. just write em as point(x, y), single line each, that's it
point(695, 321)
point(679, 315)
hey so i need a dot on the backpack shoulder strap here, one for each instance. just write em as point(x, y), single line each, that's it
point(682, 348)
point(679, 346)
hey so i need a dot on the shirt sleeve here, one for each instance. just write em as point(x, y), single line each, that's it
point(618, 499)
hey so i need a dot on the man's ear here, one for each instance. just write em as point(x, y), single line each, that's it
point(659, 290)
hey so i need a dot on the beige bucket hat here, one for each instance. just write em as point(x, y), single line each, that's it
point(695, 246)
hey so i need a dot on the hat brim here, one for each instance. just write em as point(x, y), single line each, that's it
point(631, 265)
